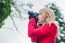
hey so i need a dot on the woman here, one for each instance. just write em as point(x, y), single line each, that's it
point(47, 31)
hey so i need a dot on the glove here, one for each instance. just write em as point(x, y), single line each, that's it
point(33, 15)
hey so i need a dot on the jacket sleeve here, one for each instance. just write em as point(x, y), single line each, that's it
point(31, 27)
point(41, 31)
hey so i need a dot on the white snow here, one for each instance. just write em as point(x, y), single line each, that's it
point(8, 33)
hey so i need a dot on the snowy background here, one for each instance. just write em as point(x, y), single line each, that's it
point(15, 29)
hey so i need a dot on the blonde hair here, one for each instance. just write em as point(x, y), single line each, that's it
point(51, 18)
point(49, 12)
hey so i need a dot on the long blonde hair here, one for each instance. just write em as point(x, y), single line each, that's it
point(49, 12)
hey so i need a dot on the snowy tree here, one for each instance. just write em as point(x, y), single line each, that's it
point(20, 10)
point(5, 10)
point(16, 21)
point(60, 19)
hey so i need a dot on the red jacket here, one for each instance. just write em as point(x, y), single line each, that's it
point(44, 34)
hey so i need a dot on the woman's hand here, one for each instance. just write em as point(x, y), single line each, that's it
point(32, 14)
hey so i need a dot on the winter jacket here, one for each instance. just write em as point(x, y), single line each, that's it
point(43, 34)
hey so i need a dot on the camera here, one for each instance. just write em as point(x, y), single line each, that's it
point(33, 15)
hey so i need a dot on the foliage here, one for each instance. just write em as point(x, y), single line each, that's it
point(5, 10)
point(59, 19)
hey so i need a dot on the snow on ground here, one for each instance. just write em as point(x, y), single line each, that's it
point(8, 36)
point(8, 33)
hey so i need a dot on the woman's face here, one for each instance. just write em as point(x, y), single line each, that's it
point(43, 15)
point(40, 18)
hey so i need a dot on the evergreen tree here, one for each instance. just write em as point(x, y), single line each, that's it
point(59, 19)
point(5, 10)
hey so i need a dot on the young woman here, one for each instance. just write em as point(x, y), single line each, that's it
point(47, 31)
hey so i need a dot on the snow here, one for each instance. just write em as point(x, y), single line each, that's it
point(9, 34)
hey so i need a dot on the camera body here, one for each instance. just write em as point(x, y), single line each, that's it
point(34, 15)
point(31, 13)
